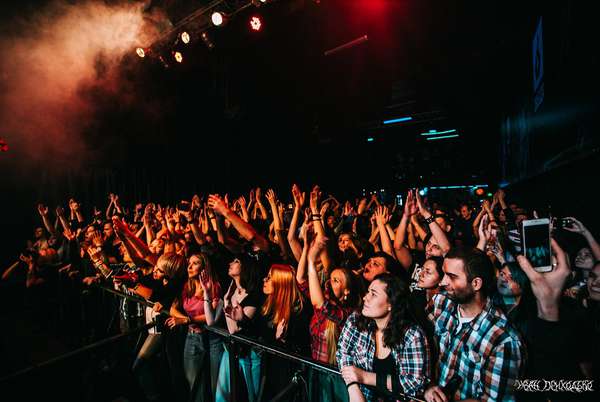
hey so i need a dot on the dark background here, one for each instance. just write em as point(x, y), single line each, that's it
point(271, 109)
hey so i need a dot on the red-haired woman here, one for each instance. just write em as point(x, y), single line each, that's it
point(286, 316)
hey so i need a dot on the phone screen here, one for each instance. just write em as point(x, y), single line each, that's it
point(536, 242)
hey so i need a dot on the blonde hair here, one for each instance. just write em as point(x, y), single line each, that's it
point(332, 334)
point(172, 264)
point(285, 297)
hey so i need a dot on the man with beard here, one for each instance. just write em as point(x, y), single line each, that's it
point(476, 342)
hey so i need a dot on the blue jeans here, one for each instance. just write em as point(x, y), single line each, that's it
point(251, 367)
point(194, 358)
point(142, 367)
point(195, 363)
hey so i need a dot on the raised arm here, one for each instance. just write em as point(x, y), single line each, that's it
point(436, 231)
point(402, 253)
point(293, 241)
point(317, 297)
point(244, 228)
point(381, 218)
point(259, 204)
point(43, 210)
point(582, 230)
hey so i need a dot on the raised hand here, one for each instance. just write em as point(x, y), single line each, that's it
point(60, 211)
point(316, 247)
point(206, 284)
point(299, 197)
point(381, 215)
point(324, 208)
point(242, 202)
point(217, 204)
point(421, 205)
point(271, 196)
point(314, 199)
point(97, 239)
point(69, 235)
point(347, 209)
point(410, 206)
point(362, 206)
point(42, 209)
point(258, 194)
point(577, 227)
point(547, 287)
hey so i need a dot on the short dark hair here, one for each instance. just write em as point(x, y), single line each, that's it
point(477, 265)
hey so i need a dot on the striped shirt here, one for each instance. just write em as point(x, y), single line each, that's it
point(486, 353)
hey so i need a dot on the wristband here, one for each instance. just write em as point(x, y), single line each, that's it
point(430, 219)
point(351, 384)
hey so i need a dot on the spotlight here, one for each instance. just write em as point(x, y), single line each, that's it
point(3, 146)
point(185, 37)
point(480, 192)
point(140, 52)
point(178, 57)
point(206, 39)
point(258, 3)
point(256, 23)
point(218, 18)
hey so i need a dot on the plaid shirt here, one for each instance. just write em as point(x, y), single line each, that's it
point(318, 324)
point(486, 353)
point(411, 358)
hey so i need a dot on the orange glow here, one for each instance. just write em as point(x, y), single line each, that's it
point(255, 23)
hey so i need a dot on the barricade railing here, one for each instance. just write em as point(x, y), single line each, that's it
point(302, 362)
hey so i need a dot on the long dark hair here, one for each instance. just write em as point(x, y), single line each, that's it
point(249, 275)
point(404, 312)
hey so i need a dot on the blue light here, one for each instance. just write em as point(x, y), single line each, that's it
point(370, 139)
point(434, 132)
point(442, 137)
point(399, 120)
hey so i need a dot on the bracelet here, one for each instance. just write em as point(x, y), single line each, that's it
point(430, 219)
point(351, 384)
point(316, 215)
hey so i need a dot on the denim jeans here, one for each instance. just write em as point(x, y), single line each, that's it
point(250, 365)
point(194, 359)
point(142, 366)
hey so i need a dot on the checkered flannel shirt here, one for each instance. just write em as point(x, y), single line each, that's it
point(487, 353)
point(412, 357)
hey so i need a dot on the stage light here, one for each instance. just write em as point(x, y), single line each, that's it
point(185, 37)
point(207, 40)
point(258, 3)
point(178, 57)
point(441, 137)
point(398, 120)
point(140, 52)
point(255, 23)
point(218, 19)
point(370, 139)
point(480, 191)
point(3, 146)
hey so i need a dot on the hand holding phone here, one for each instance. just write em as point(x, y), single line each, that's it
point(535, 243)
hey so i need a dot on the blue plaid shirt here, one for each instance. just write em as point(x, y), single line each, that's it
point(486, 352)
point(412, 357)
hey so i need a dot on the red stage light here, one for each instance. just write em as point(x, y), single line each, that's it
point(3, 145)
point(479, 191)
point(255, 23)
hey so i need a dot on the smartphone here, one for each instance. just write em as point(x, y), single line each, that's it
point(535, 243)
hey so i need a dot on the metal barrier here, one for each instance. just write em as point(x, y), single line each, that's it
point(302, 361)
